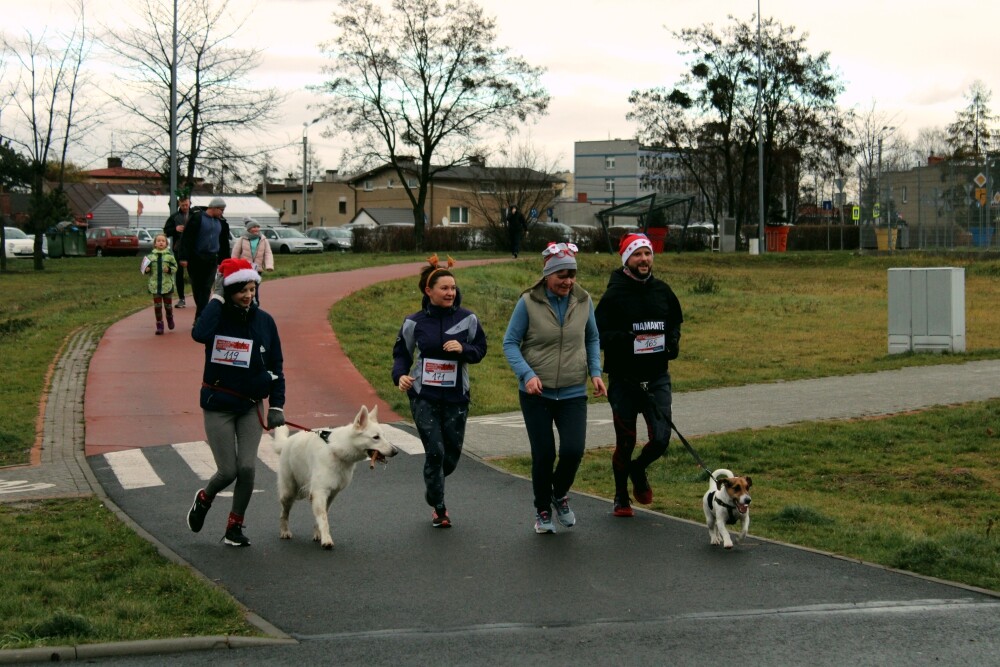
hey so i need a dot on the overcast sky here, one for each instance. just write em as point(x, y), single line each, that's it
point(914, 59)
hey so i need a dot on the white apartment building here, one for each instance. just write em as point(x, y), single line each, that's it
point(619, 170)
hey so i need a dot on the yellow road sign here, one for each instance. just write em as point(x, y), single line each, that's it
point(855, 213)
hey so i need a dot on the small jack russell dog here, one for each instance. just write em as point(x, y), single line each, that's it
point(726, 502)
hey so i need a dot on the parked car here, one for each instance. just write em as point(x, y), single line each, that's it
point(554, 231)
point(146, 236)
point(19, 244)
point(103, 241)
point(333, 238)
point(285, 240)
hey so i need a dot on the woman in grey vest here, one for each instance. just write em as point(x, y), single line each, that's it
point(553, 346)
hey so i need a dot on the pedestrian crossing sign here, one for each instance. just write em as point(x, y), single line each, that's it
point(855, 213)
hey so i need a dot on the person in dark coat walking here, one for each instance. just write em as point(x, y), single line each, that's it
point(243, 366)
point(204, 243)
point(174, 228)
point(639, 319)
point(515, 229)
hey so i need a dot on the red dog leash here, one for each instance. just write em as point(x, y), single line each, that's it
point(260, 418)
point(260, 415)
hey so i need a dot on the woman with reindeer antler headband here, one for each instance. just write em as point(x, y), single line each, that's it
point(431, 356)
point(553, 346)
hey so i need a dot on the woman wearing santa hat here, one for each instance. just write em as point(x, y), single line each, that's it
point(243, 366)
point(553, 347)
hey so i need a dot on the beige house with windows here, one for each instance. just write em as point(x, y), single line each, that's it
point(455, 196)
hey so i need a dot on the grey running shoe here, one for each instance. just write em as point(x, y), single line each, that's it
point(543, 523)
point(563, 511)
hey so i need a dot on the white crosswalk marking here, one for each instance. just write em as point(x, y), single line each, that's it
point(132, 469)
point(266, 453)
point(198, 456)
point(403, 440)
point(22, 486)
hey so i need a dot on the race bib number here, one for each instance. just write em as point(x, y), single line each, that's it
point(233, 352)
point(649, 343)
point(440, 373)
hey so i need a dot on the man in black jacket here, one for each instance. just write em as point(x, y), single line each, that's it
point(204, 243)
point(173, 228)
point(639, 319)
point(515, 228)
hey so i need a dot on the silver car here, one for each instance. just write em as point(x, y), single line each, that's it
point(333, 238)
point(286, 240)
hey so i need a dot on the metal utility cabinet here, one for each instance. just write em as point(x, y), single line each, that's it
point(926, 310)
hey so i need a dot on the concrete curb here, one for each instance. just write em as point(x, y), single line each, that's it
point(137, 647)
point(63, 414)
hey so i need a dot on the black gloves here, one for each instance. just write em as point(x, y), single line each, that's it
point(673, 344)
point(275, 418)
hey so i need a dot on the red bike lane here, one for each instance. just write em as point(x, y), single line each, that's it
point(142, 389)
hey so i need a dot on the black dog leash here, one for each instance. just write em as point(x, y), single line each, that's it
point(687, 445)
point(693, 453)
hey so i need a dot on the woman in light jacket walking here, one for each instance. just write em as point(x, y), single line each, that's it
point(254, 248)
point(553, 346)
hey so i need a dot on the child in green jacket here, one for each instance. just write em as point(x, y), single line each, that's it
point(161, 267)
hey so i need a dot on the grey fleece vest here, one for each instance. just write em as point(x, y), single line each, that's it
point(557, 354)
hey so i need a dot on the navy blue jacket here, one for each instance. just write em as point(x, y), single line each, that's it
point(236, 386)
point(423, 336)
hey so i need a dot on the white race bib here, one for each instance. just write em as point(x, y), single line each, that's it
point(440, 373)
point(230, 351)
point(649, 343)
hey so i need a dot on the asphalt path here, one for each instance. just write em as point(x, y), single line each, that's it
point(395, 591)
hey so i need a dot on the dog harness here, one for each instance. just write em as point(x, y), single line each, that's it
point(731, 515)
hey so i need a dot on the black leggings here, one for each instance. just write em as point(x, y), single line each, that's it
point(628, 399)
point(441, 426)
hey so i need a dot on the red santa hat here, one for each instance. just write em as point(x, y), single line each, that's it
point(632, 242)
point(237, 271)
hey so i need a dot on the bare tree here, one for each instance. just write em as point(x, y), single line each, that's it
point(710, 118)
point(880, 146)
point(43, 95)
point(216, 99)
point(422, 84)
point(930, 142)
point(522, 175)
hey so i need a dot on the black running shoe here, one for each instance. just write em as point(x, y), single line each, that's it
point(440, 518)
point(234, 536)
point(198, 511)
point(641, 490)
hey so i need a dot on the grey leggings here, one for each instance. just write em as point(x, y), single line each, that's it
point(233, 440)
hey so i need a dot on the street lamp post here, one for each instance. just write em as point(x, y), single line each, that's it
point(760, 145)
point(878, 185)
point(173, 116)
point(305, 171)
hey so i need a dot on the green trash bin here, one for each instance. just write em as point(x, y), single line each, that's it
point(74, 239)
point(55, 240)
